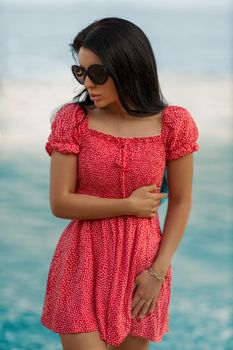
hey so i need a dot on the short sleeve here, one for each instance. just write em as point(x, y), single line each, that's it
point(65, 135)
point(180, 132)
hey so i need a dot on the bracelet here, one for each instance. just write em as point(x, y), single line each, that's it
point(154, 274)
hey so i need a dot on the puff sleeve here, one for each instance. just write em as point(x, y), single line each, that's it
point(65, 135)
point(181, 133)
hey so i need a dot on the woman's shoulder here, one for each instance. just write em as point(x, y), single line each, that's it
point(70, 111)
point(180, 131)
point(66, 129)
point(176, 117)
point(175, 113)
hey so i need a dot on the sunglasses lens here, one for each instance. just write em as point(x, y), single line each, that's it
point(98, 74)
point(78, 74)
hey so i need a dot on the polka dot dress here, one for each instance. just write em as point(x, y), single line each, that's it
point(92, 272)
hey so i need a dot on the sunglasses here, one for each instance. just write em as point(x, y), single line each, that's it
point(96, 72)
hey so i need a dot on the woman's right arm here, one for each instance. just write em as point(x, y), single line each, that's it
point(87, 207)
point(67, 204)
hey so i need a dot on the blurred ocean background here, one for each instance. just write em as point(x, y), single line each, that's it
point(192, 43)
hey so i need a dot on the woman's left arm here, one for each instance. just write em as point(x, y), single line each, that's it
point(180, 176)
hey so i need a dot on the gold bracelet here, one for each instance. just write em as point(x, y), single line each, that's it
point(154, 274)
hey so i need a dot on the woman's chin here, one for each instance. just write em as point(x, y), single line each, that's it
point(99, 103)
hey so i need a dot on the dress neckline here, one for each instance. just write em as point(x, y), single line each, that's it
point(123, 138)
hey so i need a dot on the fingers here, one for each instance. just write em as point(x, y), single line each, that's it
point(157, 196)
point(161, 195)
point(154, 187)
point(152, 306)
point(153, 211)
point(142, 308)
point(135, 301)
point(137, 308)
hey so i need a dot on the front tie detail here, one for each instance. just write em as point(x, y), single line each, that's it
point(124, 155)
point(122, 160)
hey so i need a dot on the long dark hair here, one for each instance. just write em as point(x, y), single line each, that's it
point(127, 53)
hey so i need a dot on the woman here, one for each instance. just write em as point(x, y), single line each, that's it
point(110, 277)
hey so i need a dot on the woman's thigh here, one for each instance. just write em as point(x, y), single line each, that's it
point(132, 342)
point(82, 341)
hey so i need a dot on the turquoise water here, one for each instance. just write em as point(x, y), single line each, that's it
point(201, 303)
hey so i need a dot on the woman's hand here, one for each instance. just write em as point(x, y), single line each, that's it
point(143, 203)
point(146, 294)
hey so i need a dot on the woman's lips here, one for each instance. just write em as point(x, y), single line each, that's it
point(94, 97)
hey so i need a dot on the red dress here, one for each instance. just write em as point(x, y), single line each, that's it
point(95, 263)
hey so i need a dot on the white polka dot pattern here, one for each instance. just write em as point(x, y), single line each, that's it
point(180, 133)
point(92, 272)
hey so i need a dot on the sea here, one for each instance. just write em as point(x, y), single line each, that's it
point(193, 50)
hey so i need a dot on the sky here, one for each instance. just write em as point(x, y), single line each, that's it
point(160, 3)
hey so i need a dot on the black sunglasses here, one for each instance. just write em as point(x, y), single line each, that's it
point(96, 72)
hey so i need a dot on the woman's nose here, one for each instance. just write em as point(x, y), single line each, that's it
point(88, 82)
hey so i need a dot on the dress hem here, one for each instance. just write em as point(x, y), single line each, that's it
point(157, 339)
